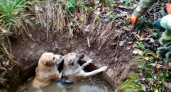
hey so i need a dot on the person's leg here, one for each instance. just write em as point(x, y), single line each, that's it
point(161, 51)
point(168, 58)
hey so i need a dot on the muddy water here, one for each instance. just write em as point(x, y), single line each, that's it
point(92, 84)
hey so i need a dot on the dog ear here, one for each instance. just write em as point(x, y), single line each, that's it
point(48, 63)
point(61, 66)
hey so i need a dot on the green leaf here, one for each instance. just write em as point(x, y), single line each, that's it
point(111, 15)
point(71, 8)
point(37, 22)
point(117, 16)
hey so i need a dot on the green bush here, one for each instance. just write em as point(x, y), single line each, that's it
point(10, 8)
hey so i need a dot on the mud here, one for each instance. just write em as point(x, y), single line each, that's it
point(119, 60)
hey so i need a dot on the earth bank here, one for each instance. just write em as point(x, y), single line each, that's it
point(28, 52)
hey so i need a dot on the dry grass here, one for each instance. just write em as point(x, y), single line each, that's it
point(5, 42)
point(20, 28)
point(54, 17)
point(51, 15)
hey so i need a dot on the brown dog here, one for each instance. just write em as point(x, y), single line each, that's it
point(72, 70)
point(47, 70)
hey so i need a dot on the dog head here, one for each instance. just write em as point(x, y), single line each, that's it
point(71, 59)
point(49, 59)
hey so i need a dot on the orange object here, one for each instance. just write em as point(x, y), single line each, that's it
point(134, 19)
point(168, 8)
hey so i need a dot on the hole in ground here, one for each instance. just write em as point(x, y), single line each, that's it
point(98, 83)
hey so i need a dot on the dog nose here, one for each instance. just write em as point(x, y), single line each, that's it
point(81, 56)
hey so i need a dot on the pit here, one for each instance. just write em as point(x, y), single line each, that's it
point(97, 83)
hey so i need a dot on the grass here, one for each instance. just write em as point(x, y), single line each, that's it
point(12, 17)
point(11, 8)
point(130, 85)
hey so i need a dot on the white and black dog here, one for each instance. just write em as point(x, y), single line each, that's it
point(72, 69)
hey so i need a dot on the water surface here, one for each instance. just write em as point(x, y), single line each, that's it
point(92, 84)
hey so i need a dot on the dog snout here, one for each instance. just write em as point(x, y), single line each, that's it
point(81, 56)
point(58, 56)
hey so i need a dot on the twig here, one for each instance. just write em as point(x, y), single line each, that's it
point(88, 41)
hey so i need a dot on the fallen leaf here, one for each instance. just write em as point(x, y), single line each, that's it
point(158, 67)
point(138, 36)
point(156, 90)
point(153, 54)
point(105, 8)
point(87, 29)
point(143, 87)
point(81, 18)
point(121, 43)
point(128, 47)
point(3, 30)
point(36, 8)
point(146, 58)
point(137, 51)
point(152, 40)
point(15, 13)
point(123, 14)
point(108, 13)
point(7, 63)
point(96, 1)
point(97, 12)
point(1, 20)
point(166, 67)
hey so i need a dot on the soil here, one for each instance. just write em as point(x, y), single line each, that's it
point(117, 58)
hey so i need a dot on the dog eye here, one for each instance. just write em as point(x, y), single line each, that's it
point(53, 58)
point(71, 62)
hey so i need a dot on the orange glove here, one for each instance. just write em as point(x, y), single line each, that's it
point(168, 8)
point(134, 19)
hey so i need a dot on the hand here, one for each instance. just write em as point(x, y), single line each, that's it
point(168, 8)
point(134, 19)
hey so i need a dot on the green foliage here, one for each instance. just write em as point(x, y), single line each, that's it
point(37, 22)
point(111, 15)
point(130, 85)
point(149, 24)
point(10, 8)
point(36, 1)
point(140, 23)
point(114, 16)
point(140, 45)
point(128, 2)
point(71, 5)
point(149, 71)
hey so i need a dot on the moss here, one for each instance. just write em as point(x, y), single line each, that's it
point(130, 86)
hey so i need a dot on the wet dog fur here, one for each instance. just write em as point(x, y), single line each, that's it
point(47, 70)
point(72, 70)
